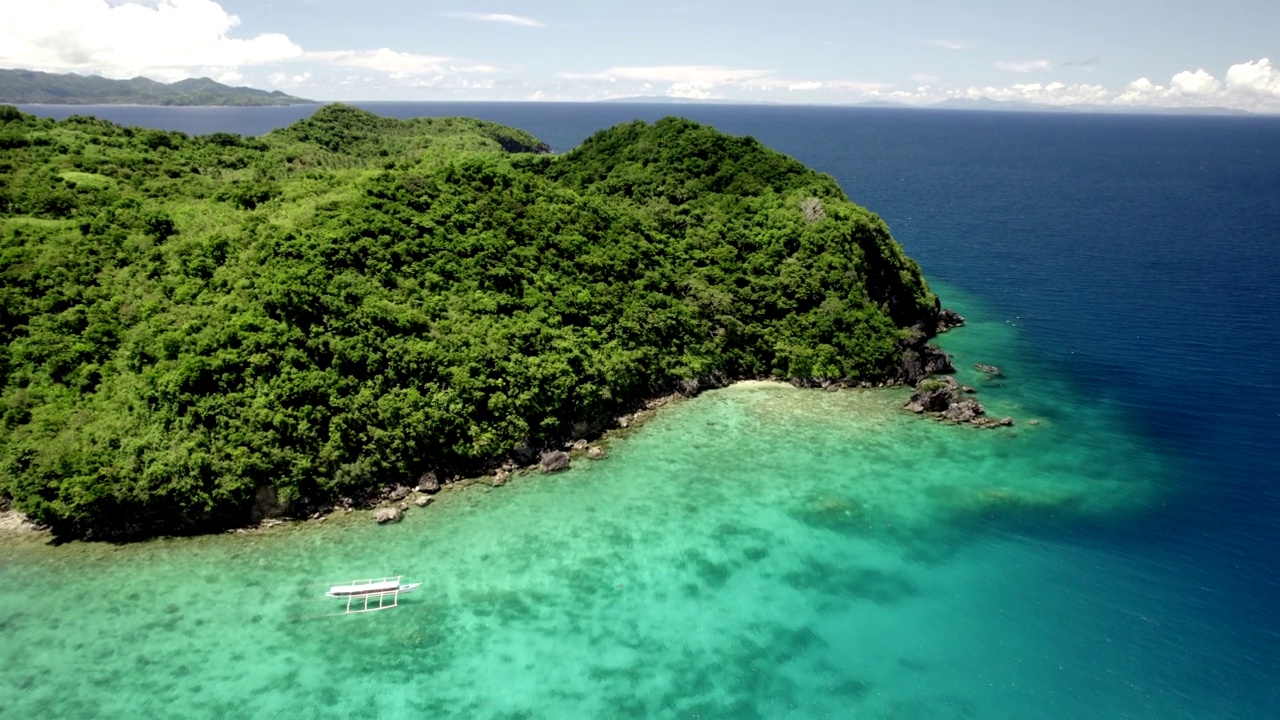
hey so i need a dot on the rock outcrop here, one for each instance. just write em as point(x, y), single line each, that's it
point(428, 483)
point(921, 360)
point(554, 461)
point(944, 399)
point(948, 319)
point(388, 515)
point(990, 370)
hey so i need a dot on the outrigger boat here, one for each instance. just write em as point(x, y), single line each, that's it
point(372, 594)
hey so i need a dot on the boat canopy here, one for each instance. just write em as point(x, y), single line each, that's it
point(365, 588)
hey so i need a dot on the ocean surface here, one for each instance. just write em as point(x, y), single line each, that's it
point(767, 552)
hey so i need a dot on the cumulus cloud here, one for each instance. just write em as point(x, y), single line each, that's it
point(1252, 85)
point(501, 18)
point(1254, 78)
point(166, 39)
point(1195, 83)
point(1025, 65)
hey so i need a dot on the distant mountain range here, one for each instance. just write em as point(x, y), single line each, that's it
point(33, 87)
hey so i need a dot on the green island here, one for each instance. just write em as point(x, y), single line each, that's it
point(35, 87)
point(193, 324)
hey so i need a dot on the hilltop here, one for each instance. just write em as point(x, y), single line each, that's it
point(198, 328)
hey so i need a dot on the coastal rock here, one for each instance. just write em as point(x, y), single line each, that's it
point(948, 319)
point(388, 515)
point(944, 399)
point(554, 461)
point(934, 395)
point(423, 500)
point(501, 477)
point(397, 493)
point(595, 452)
point(580, 445)
point(921, 360)
point(428, 483)
point(965, 411)
point(990, 370)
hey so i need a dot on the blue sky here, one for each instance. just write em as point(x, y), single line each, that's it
point(1117, 52)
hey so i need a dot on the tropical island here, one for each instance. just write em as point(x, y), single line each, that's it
point(31, 87)
point(198, 330)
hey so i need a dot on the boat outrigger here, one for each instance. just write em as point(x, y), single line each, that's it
point(372, 594)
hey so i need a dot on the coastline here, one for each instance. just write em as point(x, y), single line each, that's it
point(14, 524)
point(919, 361)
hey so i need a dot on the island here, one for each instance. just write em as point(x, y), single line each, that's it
point(30, 87)
point(198, 332)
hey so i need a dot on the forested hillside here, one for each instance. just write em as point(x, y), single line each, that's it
point(352, 301)
point(32, 86)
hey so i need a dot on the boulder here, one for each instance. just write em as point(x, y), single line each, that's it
point(501, 477)
point(580, 445)
point(388, 515)
point(397, 493)
point(428, 483)
point(965, 411)
point(595, 452)
point(990, 370)
point(422, 500)
point(947, 319)
point(554, 461)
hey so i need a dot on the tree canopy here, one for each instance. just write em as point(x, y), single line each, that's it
point(353, 300)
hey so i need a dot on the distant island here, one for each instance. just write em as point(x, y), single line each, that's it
point(198, 332)
point(30, 87)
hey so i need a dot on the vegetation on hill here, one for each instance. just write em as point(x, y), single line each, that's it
point(189, 322)
point(34, 87)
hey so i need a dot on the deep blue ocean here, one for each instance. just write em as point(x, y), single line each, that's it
point(1131, 261)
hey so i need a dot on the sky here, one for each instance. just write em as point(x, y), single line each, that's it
point(1124, 54)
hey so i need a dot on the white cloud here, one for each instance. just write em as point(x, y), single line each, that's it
point(945, 44)
point(1254, 77)
point(711, 74)
point(704, 82)
point(696, 90)
point(165, 39)
point(1195, 83)
point(502, 18)
point(395, 64)
point(1025, 66)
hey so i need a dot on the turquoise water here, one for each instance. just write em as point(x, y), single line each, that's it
point(758, 551)
point(764, 552)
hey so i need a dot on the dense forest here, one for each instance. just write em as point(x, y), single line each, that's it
point(32, 86)
point(352, 301)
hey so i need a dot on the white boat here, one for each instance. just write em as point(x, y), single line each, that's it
point(372, 594)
